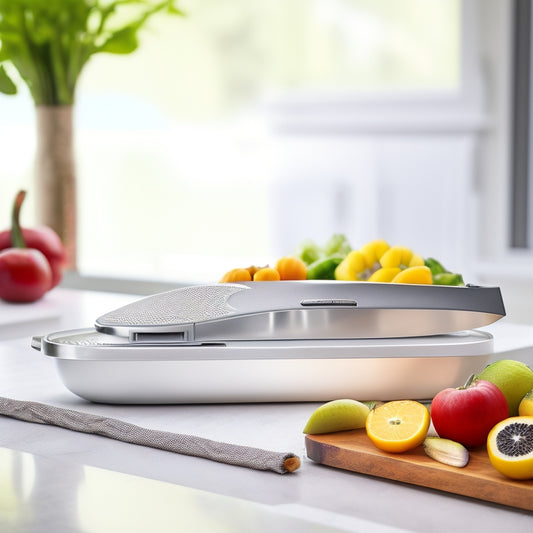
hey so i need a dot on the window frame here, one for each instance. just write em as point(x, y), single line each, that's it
point(521, 200)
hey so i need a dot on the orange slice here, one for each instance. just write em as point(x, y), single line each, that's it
point(398, 426)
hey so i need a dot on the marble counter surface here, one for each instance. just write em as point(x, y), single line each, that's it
point(58, 480)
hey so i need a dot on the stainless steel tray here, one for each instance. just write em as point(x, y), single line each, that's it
point(265, 371)
point(286, 341)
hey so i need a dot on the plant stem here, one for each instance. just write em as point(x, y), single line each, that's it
point(17, 240)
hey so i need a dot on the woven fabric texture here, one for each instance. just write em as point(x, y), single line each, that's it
point(233, 454)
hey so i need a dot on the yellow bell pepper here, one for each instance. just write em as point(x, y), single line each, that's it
point(397, 264)
point(373, 252)
point(352, 267)
point(401, 257)
point(416, 274)
point(358, 265)
point(385, 275)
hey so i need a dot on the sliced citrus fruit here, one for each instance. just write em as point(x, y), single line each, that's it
point(337, 415)
point(525, 408)
point(398, 426)
point(510, 447)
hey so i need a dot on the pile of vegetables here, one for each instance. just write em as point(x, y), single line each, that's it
point(376, 261)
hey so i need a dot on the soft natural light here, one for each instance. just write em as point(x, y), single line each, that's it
point(179, 169)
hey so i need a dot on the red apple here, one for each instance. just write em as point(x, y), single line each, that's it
point(468, 413)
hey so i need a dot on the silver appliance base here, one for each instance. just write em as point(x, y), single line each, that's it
point(272, 371)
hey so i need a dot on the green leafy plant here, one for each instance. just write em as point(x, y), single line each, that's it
point(49, 41)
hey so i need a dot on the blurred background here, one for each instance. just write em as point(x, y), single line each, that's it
point(247, 126)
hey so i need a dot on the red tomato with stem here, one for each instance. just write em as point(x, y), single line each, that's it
point(467, 414)
point(43, 239)
point(25, 275)
point(46, 241)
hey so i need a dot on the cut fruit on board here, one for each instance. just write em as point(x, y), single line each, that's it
point(353, 450)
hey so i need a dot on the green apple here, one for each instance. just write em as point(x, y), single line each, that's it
point(337, 415)
point(513, 378)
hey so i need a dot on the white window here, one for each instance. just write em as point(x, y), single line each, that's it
point(248, 125)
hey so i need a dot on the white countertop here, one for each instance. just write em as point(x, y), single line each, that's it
point(58, 480)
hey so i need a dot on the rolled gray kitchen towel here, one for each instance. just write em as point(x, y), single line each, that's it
point(222, 452)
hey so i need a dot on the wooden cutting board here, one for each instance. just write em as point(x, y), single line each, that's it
point(353, 450)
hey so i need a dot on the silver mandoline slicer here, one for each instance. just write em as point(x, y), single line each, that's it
point(280, 341)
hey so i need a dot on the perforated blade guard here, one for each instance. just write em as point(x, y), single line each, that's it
point(303, 310)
